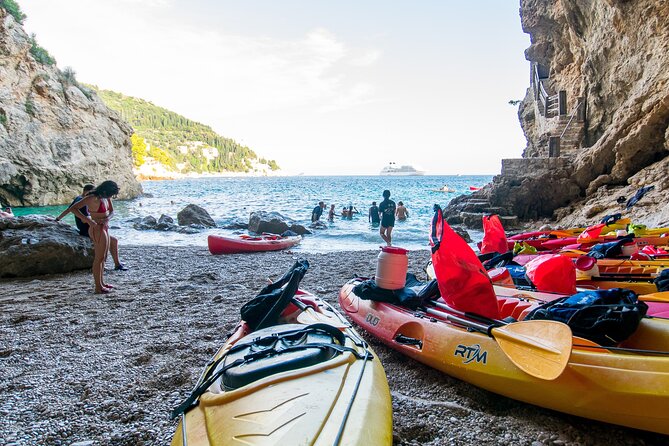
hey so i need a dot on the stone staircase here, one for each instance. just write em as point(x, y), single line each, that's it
point(470, 212)
point(571, 134)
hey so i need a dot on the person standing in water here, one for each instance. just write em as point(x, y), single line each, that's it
point(83, 227)
point(317, 212)
point(331, 212)
point(401, 212)
point(387, 213)
point(373, 216)
point(99, 204)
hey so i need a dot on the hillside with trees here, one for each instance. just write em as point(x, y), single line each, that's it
point(179, 144)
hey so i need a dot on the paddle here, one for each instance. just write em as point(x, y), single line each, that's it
point(538, 348)
point(524, 292)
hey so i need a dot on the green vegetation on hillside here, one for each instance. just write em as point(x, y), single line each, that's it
point(13, 9)
point(176, 141)
point(40, 54)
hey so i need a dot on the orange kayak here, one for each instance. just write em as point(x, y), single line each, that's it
point(629, 387)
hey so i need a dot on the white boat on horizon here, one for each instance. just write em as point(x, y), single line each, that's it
point(393, 169)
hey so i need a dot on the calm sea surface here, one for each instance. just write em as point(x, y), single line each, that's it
point(232, 199)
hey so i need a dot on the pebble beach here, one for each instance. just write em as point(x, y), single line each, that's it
point(82, 369)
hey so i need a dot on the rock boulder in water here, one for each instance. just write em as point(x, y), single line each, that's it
point(32, 246)
point(274, 223)
point(194, 214)
point(318, 225)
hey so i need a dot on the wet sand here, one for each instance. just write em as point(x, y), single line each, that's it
point(107, 370)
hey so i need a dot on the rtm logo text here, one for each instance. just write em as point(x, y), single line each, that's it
point(373, 320)
point(471, 353)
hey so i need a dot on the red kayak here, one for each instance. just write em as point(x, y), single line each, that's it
point(474, 188)
point(573, 242)
point(219, 244)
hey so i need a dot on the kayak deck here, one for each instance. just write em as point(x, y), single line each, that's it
point(309, 405)
point(622, 388)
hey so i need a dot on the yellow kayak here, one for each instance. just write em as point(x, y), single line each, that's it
point(333, 394)
point(629, 387)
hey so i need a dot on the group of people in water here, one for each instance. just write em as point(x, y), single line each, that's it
point(383, 215)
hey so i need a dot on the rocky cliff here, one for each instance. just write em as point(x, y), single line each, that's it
point(614, 54)
point(55, 135)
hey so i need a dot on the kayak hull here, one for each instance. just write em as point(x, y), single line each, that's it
point(219, 244)
point(625, 389)
point(304, 406)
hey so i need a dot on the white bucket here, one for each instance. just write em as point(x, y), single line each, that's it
point(586, 268)
point(391, 268)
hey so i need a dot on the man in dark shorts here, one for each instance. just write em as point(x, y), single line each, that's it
point(374, 214)
point(317, 212)
point(83, 227)
point(387, 213)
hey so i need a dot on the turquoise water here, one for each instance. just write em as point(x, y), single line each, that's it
point(233, 199)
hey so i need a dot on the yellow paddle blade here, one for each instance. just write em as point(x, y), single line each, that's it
point(660, 296)
point(539, 348)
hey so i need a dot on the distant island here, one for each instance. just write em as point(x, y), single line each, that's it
point(168, 145)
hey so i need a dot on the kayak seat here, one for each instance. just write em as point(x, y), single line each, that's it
point(518, 310)
point(274, 350)
point(506, 306)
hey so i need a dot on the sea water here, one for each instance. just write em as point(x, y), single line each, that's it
point(232, 199)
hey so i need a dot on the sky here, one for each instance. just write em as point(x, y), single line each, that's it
point(324, 87)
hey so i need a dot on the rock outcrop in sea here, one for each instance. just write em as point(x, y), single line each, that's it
point(596, 115)
point(55, 135)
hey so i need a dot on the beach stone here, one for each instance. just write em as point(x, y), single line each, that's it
point(274, 223)
point(148, 222)
point(165, 219)
point(32, 246)
point(194, 214)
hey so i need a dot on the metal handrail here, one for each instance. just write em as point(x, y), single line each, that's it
point(571, 118)
point(546, 100)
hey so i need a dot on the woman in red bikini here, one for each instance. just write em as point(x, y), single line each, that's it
point(101, 209)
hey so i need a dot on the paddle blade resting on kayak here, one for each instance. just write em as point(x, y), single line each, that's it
point(463, 281)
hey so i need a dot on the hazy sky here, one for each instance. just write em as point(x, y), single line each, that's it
point(323, 87)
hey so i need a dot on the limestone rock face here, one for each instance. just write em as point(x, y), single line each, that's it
point(32, 246)
point(55, 135)
point(614, 54)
